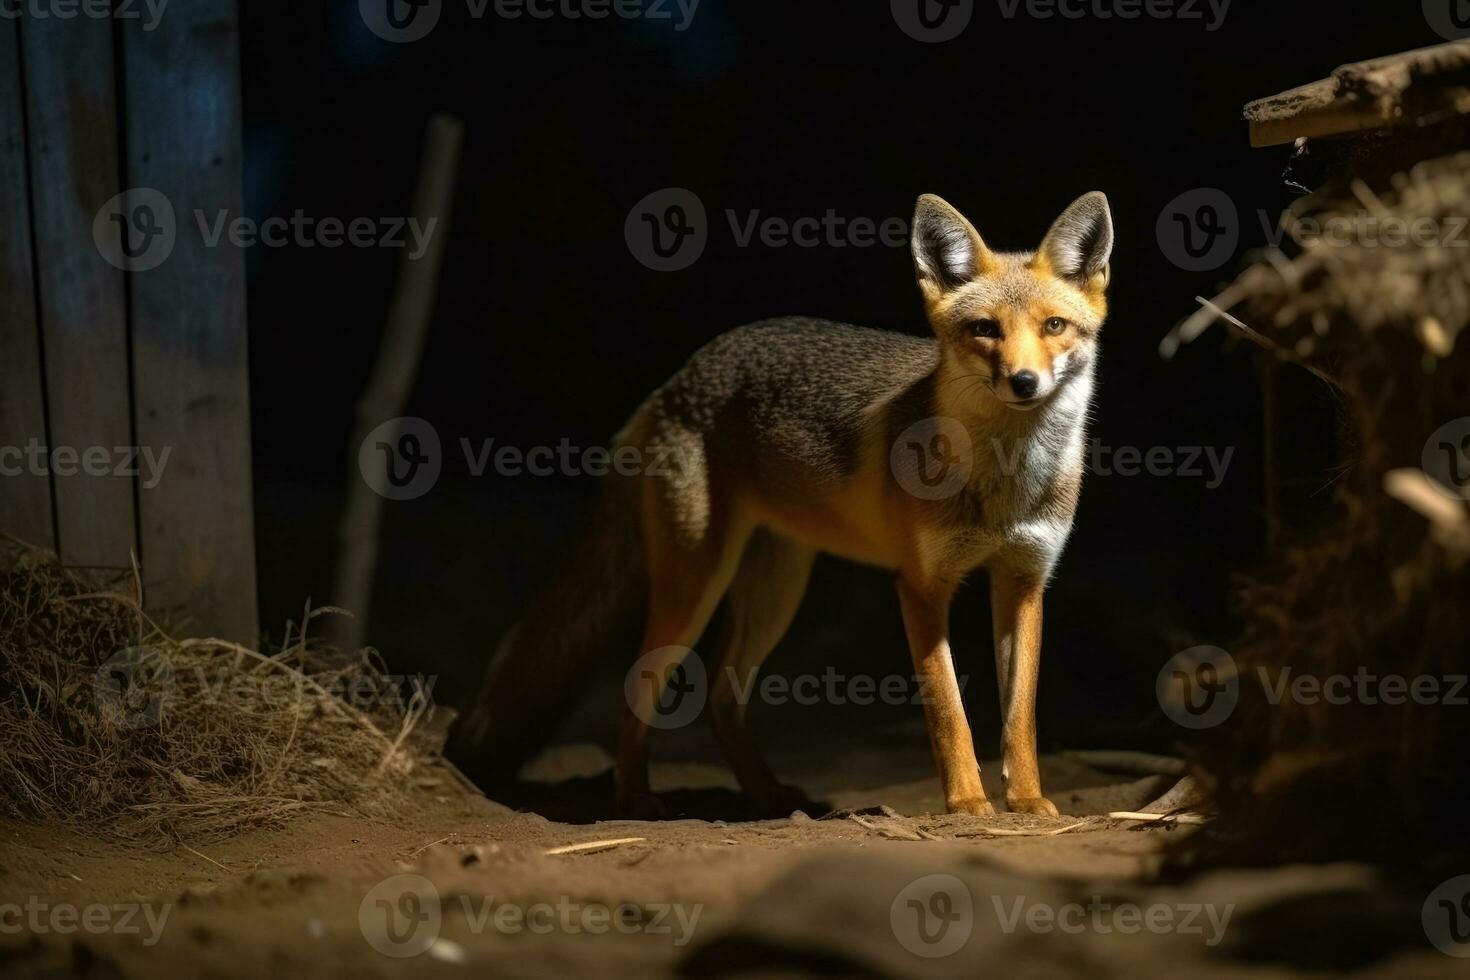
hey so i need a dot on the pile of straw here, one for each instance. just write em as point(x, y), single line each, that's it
point(1381, 586)
point(112, 726)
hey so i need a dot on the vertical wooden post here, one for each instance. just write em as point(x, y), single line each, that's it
point(394, 373)
point(71, 124)
point(25, 495)
point(190, 367)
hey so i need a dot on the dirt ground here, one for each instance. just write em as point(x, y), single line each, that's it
point(885, 886)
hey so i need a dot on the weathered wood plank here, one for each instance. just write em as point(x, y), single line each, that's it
point(1411, 88)
point(25, 496)
point(71, 124)
point(191, 384)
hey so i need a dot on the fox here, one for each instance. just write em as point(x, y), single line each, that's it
point(929, 457)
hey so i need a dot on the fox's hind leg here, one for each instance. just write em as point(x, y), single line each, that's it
point(762, 601)
point(690, 562)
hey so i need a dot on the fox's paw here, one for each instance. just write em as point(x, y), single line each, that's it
point(782, 800)
point(975, 806)
point(1038, 806)
point(641, 806)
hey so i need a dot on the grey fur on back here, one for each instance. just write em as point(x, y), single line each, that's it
point(794, 389)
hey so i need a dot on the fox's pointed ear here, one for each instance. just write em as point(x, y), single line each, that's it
point(1081, 241)
point(948, 252)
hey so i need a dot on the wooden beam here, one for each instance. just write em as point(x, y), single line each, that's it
point(190, 365)
point(71, 123)
point(25, 495)
point(1412, 88)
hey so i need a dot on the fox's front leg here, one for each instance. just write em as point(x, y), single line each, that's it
point(1015, 605)
point(926, 621)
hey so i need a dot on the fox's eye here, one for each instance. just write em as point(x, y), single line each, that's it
point(1056, 325)
point(984, 328)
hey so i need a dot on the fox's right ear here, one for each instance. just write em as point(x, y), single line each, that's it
point(948, 252)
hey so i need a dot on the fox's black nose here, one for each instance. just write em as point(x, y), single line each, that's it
point(1024, 383)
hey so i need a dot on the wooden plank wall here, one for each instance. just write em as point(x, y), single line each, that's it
point(25, 496)
point(190, 368)
point(101, 351)
point(71, 123)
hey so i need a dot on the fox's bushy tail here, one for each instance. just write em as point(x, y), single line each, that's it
point(593, 612)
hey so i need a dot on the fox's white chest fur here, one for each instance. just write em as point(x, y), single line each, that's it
point(1022, 491)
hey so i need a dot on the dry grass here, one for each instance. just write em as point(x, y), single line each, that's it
point(109, 724)
point(1382, 586)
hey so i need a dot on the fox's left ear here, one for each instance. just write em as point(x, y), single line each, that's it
point(1081, 242)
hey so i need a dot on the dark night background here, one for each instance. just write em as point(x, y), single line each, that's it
point(548, 328)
